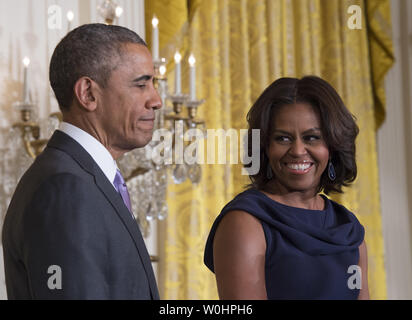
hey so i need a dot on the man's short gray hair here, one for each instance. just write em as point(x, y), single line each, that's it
point(91, 50)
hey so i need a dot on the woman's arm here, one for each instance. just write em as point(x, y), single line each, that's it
point(363, 264)
point(239, 251)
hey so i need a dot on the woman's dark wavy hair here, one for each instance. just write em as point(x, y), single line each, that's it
point(338, 127)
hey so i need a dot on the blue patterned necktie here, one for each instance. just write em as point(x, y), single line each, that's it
point(121, 187)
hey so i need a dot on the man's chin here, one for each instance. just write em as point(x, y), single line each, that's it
point(142, 142)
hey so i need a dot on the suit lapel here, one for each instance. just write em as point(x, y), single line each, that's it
point(131, 226)
point(63, 142)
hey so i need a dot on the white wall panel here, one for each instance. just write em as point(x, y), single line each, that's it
point(395, 155)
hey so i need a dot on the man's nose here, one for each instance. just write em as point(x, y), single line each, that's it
point(155, 101)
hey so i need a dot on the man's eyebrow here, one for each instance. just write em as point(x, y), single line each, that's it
point(143, 78)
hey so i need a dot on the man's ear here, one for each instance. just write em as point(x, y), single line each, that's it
point(85, 90)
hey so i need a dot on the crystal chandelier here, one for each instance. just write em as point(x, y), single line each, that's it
point(146, 175)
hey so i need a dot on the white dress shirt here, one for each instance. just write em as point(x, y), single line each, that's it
point(97, 151)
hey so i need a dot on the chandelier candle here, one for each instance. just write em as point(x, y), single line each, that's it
point(192, 62)
point(119, 11)
point(26, 62)
point(162, 84)
point(70, 17)
point(178, 84)
point(155, 38)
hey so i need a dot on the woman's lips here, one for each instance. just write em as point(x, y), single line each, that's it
point(298, 167)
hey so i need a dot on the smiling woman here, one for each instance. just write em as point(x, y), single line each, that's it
point(315, 101)
point(281, 239)
point(297, 152)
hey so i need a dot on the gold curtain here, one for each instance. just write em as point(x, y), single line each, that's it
point(241, 47)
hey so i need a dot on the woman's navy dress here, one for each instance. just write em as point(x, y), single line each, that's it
point(309, 253)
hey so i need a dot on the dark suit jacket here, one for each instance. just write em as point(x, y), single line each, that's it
point(66, 213)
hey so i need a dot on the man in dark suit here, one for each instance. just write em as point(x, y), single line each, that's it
point(69, 232)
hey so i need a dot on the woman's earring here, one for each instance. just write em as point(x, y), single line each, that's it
point(331, 171)
point(269, 172)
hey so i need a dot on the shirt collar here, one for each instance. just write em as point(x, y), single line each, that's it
point(97, 151)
